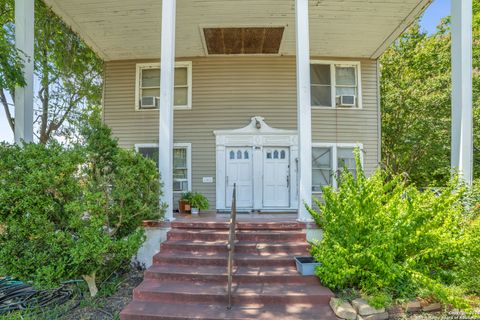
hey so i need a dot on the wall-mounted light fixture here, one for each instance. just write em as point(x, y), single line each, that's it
point(258, 125)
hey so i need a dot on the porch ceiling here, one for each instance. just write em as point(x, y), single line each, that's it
point(130, 29)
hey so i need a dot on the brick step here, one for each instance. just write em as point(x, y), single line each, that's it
point(242, 274)
point(218, 259)
point(146, 310)
point(176, 246)
point(241, 235)
point(243, 293)
point(240, 225)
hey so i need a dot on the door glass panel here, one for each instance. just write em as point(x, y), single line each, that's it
point(282, 154)
point(269, 155)
point(239, 154)
point(246, 155)
point(232, 155)
point(275, 154)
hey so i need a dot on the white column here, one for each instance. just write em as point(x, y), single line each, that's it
point(167, 69)
point(304, 122)
point(462, 132)
point(24, 37)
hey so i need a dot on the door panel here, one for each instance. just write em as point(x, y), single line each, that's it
point(276, 177)
point(240, 171)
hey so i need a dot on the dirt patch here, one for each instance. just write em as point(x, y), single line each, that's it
point(108, 304)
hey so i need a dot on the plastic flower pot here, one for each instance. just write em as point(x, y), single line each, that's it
point(306, 265)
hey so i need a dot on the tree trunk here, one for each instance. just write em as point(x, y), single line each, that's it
point(92, 286)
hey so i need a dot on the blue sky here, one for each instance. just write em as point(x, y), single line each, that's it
point(434, 13)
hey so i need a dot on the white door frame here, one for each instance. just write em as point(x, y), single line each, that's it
point(257, 134)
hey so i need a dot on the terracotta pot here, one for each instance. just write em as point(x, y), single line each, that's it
point(183, 206)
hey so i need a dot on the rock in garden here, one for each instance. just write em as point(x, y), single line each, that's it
point(432, 307)
point(364, 309)
point(343, 309)
point(413, 306)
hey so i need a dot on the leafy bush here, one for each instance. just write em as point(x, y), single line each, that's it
point(73, 212)
point(390, 240)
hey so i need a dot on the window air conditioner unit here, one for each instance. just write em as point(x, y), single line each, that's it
point(347, 101)
point(148, 102)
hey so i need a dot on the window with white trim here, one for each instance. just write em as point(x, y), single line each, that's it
point(335, 85)
point(182, 164)
point(328, 160)
point(147, 93)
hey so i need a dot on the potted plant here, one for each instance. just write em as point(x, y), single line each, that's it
point(198, 202)
point(184, 203)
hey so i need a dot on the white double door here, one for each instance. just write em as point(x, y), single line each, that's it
point(275, 177)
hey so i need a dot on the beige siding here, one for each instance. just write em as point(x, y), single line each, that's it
point(227, 92)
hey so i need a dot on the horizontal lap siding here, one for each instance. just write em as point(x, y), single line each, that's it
point(353, 126)
point(227, 92)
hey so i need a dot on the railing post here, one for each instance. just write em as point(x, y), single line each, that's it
point(231, 246)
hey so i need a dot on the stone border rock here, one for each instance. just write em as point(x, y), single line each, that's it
point(359, 309)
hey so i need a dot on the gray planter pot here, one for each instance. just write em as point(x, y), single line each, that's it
point(306, 265)
point(195, 210)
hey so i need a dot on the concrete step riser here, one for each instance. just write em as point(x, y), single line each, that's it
point(301, 249)
point(251, 237)
point(236, 278)
point(171, 297)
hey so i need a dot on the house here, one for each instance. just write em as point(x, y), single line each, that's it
point(267, 95)
point(270, 96)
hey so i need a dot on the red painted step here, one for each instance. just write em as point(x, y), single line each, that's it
point(145, 310)
point(178, 246)
point(243, 293)
point(243, 274)
point(240, 259)
point(189, 276)
point(241, 235)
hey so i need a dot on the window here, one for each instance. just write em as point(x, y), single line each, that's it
point(322, 169)
point(148, 85)
point(329, 159)
point(335, 85)
point(182, 178)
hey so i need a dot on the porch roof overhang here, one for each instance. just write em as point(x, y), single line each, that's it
point(130, 29)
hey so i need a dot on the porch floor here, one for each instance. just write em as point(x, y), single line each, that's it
point(242, 217)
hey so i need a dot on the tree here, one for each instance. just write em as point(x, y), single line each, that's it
point(416, 103)
point(67, 70)
point(415, 100)
point(74, 212)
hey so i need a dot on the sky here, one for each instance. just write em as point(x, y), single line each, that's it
point(431, 18)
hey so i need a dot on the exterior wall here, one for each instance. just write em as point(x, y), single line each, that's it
point(227, 92)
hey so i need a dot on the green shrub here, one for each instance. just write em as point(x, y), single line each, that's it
point(390, 240)
point(73, 212)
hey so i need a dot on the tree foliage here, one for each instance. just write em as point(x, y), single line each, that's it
point(67, 71)
point(416, 103)
point(77, 212)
